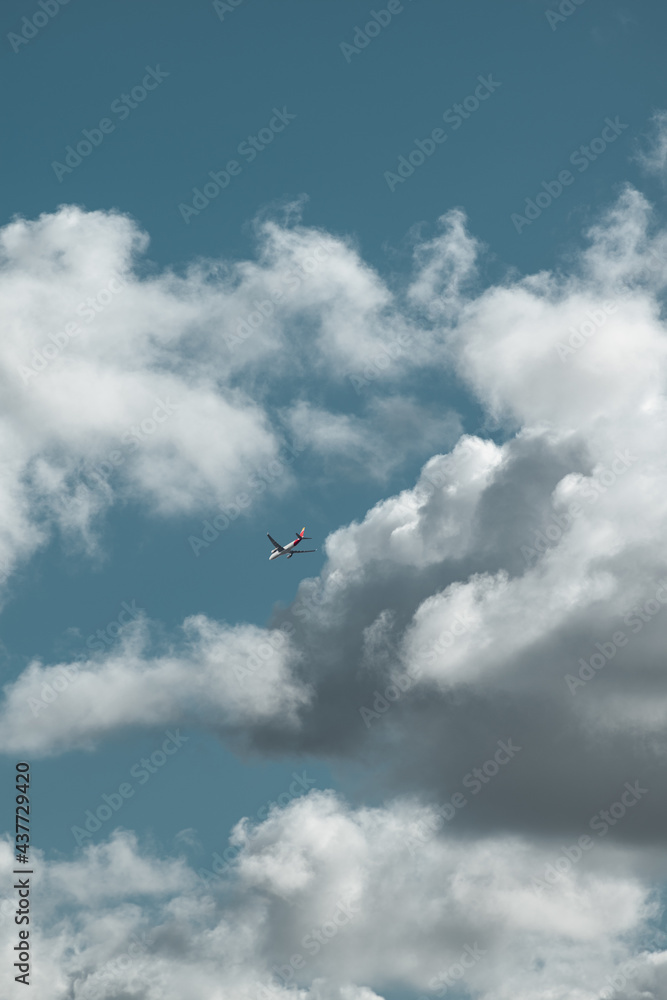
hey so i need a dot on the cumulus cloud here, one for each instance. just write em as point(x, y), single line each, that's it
point(123, 383)
point(514, 597)
point(236, 677)
point(97, 401)
point(345, 904)
point(492, 589)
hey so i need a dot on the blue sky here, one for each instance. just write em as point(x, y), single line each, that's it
point(410, 334)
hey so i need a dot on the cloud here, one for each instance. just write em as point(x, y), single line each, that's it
point(494, 632)
point(343, 903)
point(121, 383)
point(445, 268)
point(98, 404)
point(393, 430)
point(495, 584)
point(653, 158)
point(235, 676)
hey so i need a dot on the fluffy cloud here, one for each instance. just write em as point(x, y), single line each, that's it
point(513, 597)
point(444, 268)
point(488, 595)
point(344, 904)
point(120, 383)
point(97, 400)
point(236, 678)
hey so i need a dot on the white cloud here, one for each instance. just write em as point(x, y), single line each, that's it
point(393, 429)
point(235, 677)
point(653, 158)
point(98, 407)
point(445, 267)
point(120, 384)
point(486, 537)
point(545, 547)
point(345, 904)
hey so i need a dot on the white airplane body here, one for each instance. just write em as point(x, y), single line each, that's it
point(290, 549)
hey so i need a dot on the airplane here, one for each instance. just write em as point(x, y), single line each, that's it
point(289, 550)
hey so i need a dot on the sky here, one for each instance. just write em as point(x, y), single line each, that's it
point(395, 273)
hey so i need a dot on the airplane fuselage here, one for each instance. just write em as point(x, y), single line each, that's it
point(285, 550)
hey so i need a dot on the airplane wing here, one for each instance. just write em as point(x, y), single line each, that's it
point(298, 552)
point(277, 544)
